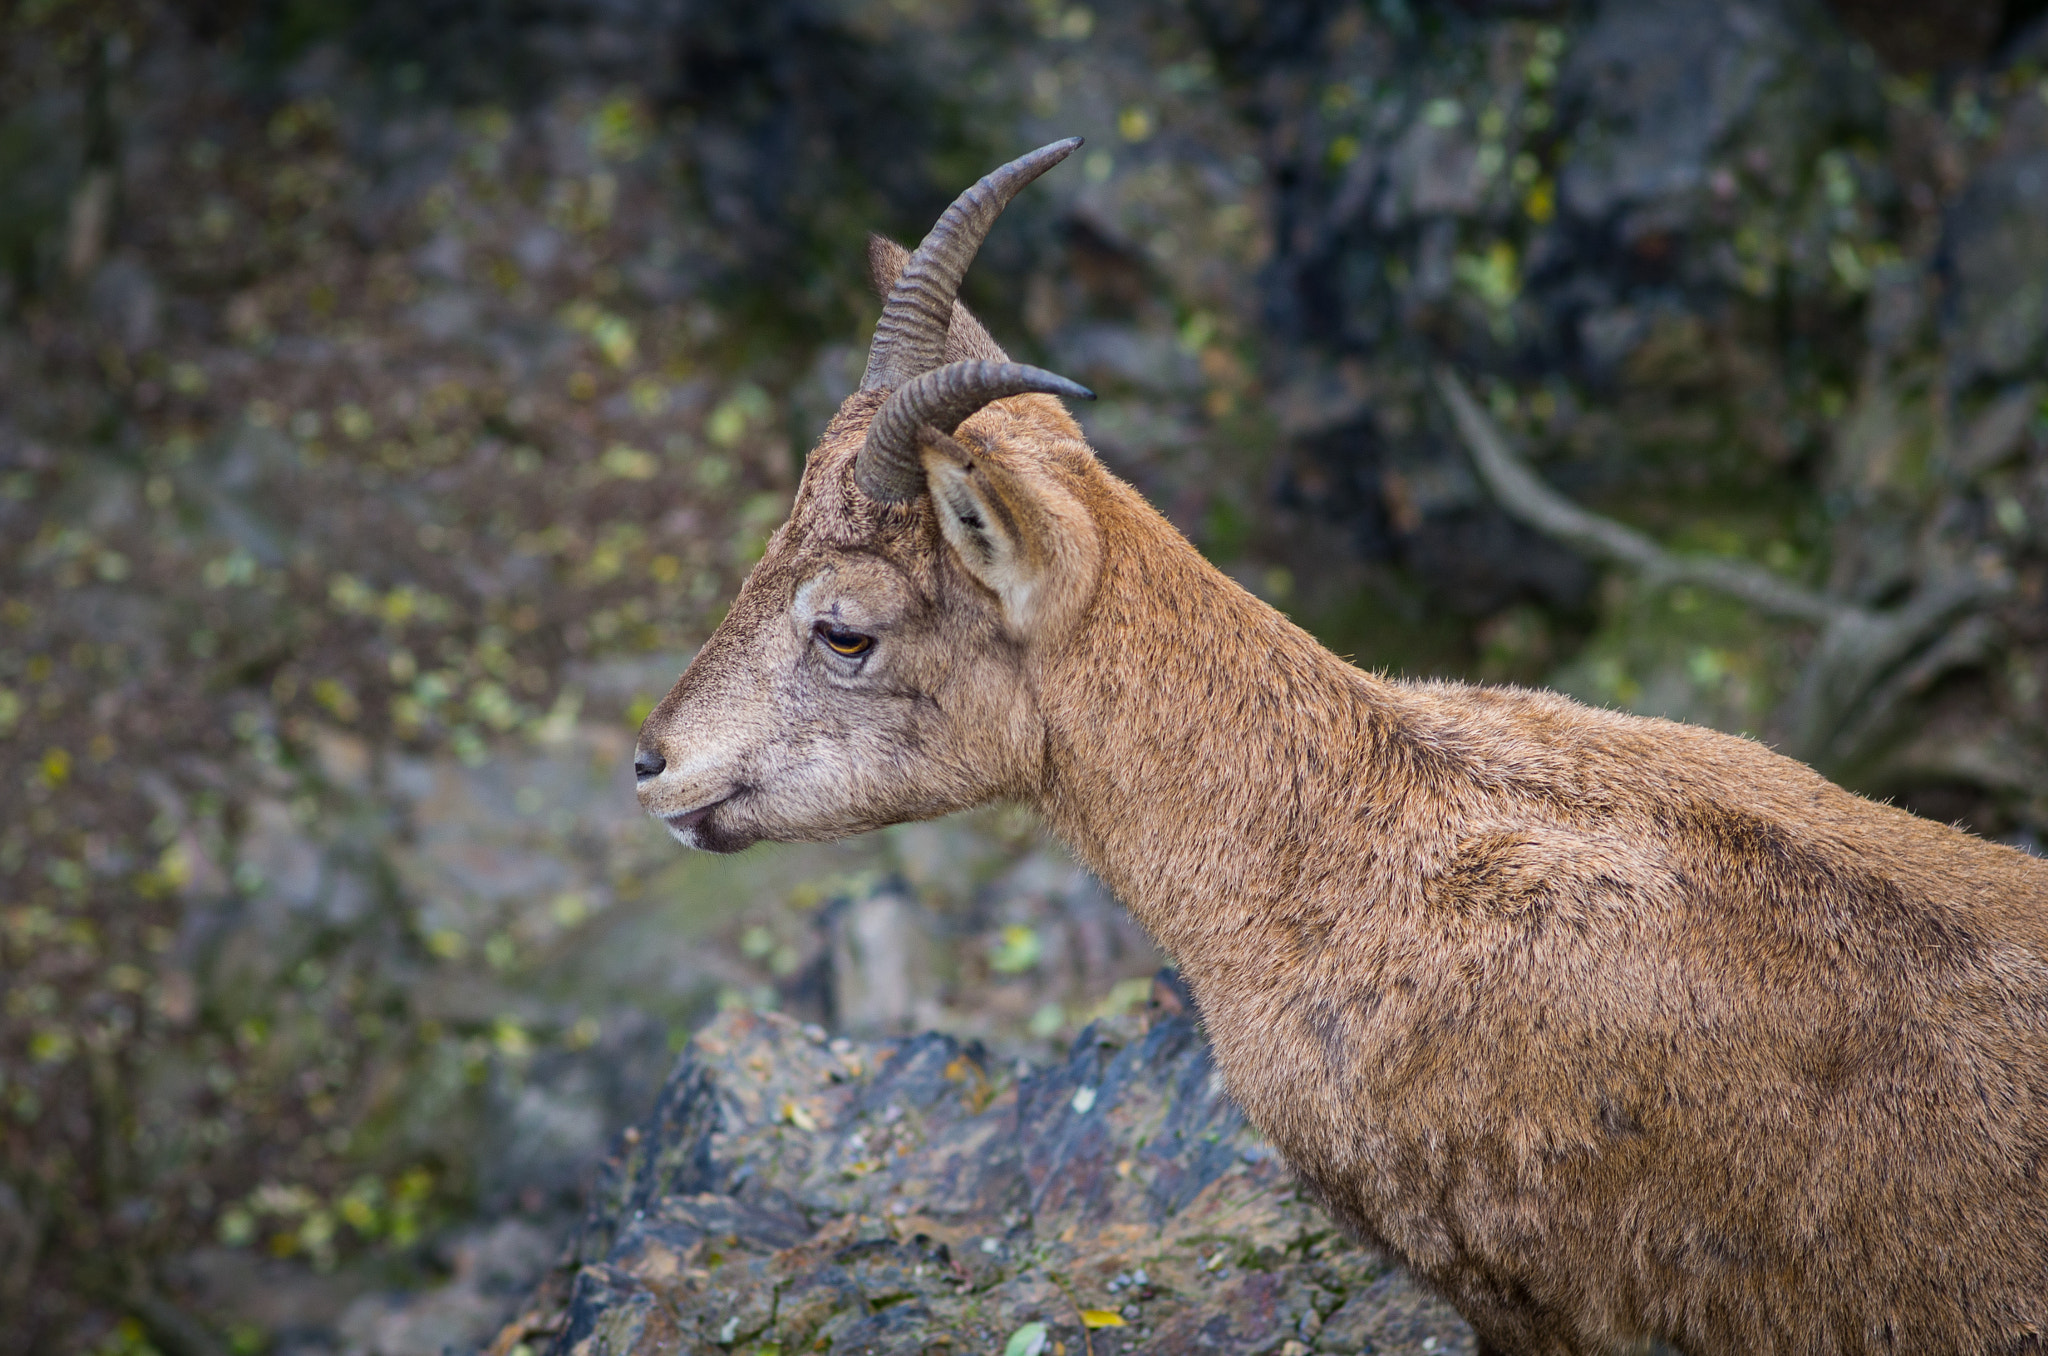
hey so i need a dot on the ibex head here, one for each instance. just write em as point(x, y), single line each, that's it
point(876, 665)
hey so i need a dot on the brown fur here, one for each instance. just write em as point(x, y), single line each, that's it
point(1611, 1028)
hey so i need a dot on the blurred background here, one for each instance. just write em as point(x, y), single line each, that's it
point(393, 393)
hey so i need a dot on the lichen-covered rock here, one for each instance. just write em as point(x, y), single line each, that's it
point(793, 1192)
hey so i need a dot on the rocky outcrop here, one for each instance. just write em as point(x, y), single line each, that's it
point(797, 1192)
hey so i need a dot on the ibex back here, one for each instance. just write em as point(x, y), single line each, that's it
point(1612, 1029)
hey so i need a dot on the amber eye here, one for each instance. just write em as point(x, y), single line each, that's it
point(848, 643)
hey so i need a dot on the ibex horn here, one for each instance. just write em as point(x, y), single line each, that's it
point(888, 470)
point(910, 338)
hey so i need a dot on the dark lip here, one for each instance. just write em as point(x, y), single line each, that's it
point(693, 818)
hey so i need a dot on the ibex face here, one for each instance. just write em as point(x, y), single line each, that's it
point(875, 667)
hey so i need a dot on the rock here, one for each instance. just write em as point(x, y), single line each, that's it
point(881, 952)
point(492, 1265)
point(1997, 253)
point(1432, 171)
point(1998, 432)
point(545, 1121)
point(1663, 85)
point(127, 303)
point(801, 1192)
point(1393, 1318)
point(417, 1325)
point(444, 314)
point(1111, 355)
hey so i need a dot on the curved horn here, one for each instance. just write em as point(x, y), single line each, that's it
point(888, 469)
point(965, 338)
point(910, 338)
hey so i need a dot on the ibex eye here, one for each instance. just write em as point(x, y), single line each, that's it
point(848, 643)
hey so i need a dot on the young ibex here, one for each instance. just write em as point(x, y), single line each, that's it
point(1612, 1029)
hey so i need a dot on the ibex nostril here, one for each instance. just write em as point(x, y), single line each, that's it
point(647, 764)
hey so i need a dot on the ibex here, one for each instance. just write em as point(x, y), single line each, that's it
point(1613, 1030)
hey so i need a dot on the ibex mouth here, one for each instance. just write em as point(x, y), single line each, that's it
point(697, 829)
point(686, 825)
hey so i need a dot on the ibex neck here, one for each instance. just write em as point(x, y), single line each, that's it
point(1198, 739)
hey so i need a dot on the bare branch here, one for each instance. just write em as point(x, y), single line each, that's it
point(1526, 497)
point(1853, 683)
point(1969, 642)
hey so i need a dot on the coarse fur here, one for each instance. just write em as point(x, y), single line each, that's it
point(1612, 1029)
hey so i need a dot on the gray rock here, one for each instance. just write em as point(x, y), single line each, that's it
point(492, 1265)
point(445, 315)
point(813, 1194)
point(1997, 251)
point(1663, 84)
point(1393, 1317)
point(881, 956)
point(1124, 353)
point(1432, 170)
point(127, 303)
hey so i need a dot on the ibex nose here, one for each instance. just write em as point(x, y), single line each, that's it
point(646, 764)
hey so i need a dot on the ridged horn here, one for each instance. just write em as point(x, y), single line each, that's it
point(910, 338)
point(965, 337)
point(888, 470)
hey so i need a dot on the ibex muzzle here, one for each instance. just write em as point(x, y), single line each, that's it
point(1614, 1030)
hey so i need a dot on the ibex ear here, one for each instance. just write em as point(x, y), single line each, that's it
point(1017, 529)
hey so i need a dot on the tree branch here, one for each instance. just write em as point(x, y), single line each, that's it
point(1839, 705)
point(1527, 498)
